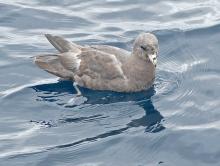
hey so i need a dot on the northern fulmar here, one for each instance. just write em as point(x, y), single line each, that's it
point(103, 67)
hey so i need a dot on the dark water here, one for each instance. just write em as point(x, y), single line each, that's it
point(176, 122)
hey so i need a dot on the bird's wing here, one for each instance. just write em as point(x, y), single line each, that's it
point(121, 54)
point(52, 64)
point(70, 60)
point(61, 44)
point(63, 64)
point(98, 68)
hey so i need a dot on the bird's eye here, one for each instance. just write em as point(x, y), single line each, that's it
point(144, 48)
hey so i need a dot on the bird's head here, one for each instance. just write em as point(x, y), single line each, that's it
point(146, 47)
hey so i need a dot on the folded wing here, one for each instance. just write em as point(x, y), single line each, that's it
point(51, 63)
point(99, 70)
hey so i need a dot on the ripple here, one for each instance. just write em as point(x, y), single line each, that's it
point(208, 126)
point(19, 135)
point(177, 118)
point(21, 152)
point(12, 91)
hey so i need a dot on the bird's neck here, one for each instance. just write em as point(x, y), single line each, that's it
point(140, 68)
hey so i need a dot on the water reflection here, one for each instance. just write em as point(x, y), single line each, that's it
point(151, 119)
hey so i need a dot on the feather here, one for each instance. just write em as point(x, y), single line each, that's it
point(61, 44)
point(51, 63)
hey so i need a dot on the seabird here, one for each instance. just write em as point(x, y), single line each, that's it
point(103, 67)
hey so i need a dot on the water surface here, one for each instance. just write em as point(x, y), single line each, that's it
point(176, 122)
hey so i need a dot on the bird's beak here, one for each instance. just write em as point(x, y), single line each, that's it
point(153, 58)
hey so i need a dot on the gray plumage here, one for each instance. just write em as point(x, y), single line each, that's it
point(103, 67)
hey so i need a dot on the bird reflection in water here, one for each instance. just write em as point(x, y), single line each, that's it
point(152, 119)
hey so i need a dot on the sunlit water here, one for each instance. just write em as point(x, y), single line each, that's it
point(176, 122)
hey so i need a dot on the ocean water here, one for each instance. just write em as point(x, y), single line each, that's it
point(176, 122)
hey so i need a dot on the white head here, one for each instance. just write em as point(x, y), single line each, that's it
point(146, 47)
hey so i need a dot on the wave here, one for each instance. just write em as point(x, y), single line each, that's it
point(96, 14)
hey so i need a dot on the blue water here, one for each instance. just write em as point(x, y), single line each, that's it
point(176, 122)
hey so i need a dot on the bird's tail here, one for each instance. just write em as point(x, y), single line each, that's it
point(51, 64)
point(61, 44)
